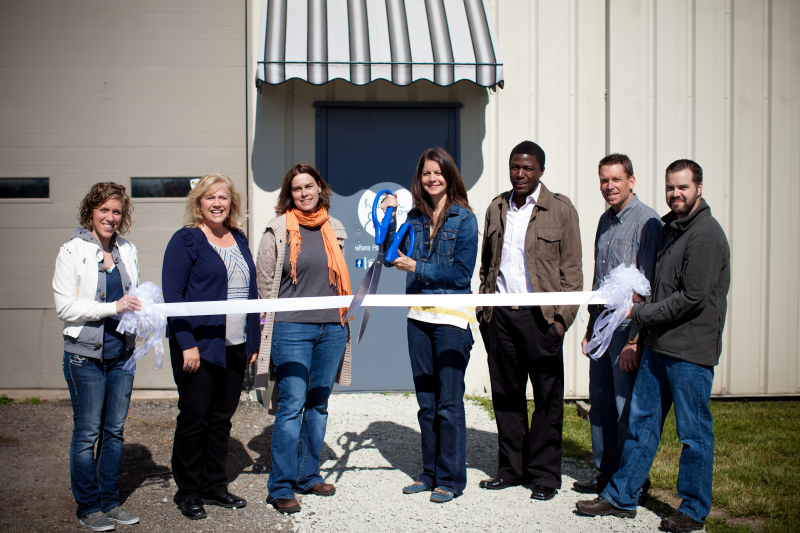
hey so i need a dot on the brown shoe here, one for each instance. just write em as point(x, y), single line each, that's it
point(600, 507)
point(680, 523)
point(322, 489)
point(284, 505)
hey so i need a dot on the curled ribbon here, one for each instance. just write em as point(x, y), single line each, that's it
point(146, 323)
point(617, 290)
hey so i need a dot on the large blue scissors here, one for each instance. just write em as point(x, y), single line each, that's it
point(373, 276)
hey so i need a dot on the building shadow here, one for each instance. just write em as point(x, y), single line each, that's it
point(138, 469)
point(401, 447)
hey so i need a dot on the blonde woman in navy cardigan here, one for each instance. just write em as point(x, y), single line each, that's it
point(208, 260)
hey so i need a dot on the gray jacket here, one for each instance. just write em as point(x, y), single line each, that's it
point(686, 312)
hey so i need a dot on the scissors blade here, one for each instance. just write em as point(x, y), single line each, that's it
point(360, 293)
point(373, 288)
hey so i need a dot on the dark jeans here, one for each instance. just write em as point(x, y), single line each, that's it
point(662, 381)
point(439, 357)
point(610, 392)
point(521, 344)
point(207, 400)
point(306, 358)
point(100, 392)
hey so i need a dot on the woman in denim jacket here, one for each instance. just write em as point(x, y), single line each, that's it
point(439, 338)
point(94, 273)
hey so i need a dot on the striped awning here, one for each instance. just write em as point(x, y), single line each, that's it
point(360, 41)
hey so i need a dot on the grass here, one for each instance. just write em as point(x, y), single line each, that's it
point(5, 400)
point(756, 461)
point(31, 401)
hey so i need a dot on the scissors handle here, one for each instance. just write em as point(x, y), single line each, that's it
point(382, 228)
point(394, 248)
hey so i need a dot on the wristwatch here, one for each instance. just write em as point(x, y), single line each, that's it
point(633, 340)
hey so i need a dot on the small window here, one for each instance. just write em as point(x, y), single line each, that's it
point(161, 187)
point(24, 187)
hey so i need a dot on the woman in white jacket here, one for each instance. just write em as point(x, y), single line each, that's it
point(95, 270)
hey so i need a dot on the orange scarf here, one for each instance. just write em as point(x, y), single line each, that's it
point(337, 268)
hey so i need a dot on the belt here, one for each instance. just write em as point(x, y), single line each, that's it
point(519, 307)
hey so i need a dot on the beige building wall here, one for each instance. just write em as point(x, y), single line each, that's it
point(716, 81)
point(719, 82)
point(95, 91)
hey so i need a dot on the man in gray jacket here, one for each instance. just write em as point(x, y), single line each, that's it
point(685, 316)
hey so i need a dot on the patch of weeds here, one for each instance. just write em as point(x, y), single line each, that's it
point(5, 400)
point(406, 395)
point(756, 461)
point(31, 401)
point(718, 525)
point(486, 403)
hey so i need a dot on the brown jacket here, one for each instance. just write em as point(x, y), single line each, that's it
point(269, 265)
point(552, 248)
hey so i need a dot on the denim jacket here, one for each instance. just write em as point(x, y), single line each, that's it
point(444, 264)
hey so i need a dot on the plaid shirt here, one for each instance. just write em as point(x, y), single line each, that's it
point(629, 237)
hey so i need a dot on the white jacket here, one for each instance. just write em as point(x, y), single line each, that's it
point(75, 282)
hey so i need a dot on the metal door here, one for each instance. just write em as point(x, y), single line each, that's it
point(364, 147)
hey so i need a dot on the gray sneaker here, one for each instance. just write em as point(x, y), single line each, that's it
point(97, 522)
point(121, 516)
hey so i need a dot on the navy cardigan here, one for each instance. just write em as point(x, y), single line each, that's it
point(194, 272)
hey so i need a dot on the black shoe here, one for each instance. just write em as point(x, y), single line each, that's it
point(644, 494)
point(593, 486)
point(224, 499)
point(192, 509)
point(543, 493)
point(496, 484)
point(601, 507)
point(680, 523)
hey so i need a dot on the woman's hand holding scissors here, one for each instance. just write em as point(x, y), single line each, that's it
point(404, 263)
point(390, 200)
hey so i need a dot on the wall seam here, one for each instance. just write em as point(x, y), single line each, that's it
point(767, 168)
point(608, 76)
point(726, 387)
point(651, 108)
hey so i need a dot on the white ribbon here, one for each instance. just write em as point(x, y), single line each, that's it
point(231, 307)
point(146, 323)
point(152, 318)
point(616, 290)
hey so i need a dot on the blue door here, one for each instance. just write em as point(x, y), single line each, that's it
point(362, 148)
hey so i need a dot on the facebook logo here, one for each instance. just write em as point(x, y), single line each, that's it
point(359, 263)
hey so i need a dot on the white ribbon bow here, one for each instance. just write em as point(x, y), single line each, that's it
point(617, 290)
point(146, 323)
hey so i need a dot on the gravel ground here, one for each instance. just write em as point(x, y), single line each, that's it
point(34, 468)
point(371, 451)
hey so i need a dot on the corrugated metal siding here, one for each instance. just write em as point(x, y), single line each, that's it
point(713, 80)
point(719, 82)
point(105, 91)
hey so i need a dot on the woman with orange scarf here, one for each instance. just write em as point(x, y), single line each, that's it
point(303, 352)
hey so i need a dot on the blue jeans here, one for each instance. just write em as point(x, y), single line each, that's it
point(100, 392)
point(306, 358)
point(610, 391)
point(663, 380)
point(439, 357)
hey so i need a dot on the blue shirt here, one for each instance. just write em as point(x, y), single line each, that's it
point(629, 237)
point(113, 342)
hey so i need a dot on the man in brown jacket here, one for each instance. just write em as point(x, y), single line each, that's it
point(531, 243)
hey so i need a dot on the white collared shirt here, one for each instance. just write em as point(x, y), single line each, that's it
point(513, 277)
